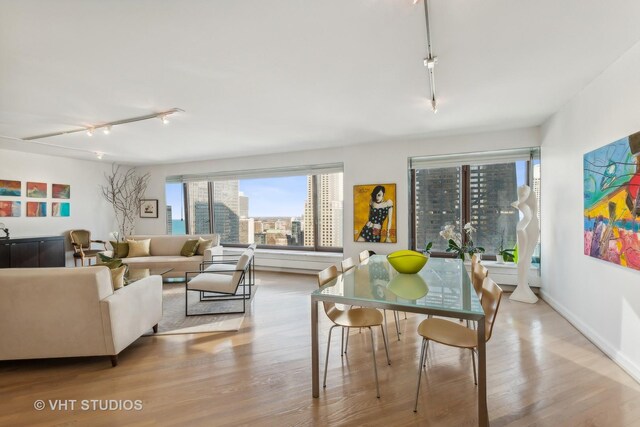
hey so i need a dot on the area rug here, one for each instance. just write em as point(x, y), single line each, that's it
point(174, 320)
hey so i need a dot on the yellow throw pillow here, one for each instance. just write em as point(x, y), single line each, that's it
point(203, 245)
point(117, 276)
point(138, 248)
point(189, 248)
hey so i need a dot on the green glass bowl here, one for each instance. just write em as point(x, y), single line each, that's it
point(406, 261)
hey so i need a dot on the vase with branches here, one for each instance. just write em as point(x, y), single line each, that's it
point(125, 190)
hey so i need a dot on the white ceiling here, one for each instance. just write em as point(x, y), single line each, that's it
point(269, 76)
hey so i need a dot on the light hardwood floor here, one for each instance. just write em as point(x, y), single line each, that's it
point(541, 371)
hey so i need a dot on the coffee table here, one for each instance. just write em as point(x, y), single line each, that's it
point(135, 274)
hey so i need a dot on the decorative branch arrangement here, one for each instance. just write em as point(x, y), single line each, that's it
point(125, 191)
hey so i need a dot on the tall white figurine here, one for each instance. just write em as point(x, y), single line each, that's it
point(527, 231)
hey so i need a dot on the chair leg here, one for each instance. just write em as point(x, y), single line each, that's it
point(396, 317)
point(423, 353)
point(473, 360)
point(386, 348)
point(342, 343)
point(375, 367)
point(346, 345)
point(426, 349)
point(326, 361)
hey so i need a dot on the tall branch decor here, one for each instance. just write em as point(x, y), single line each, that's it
point(125, 191)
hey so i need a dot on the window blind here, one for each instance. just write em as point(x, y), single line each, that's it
point(259, 173)
point(477, 158)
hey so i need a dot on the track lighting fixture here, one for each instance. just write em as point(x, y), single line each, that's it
point(106, 127)
point(430, 61)
point(99, 155)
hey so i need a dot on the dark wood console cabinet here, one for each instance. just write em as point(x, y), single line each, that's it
point(25, 252)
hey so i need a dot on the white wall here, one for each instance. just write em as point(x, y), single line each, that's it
point(600, 298)
point(88, 209)
point(363, 164)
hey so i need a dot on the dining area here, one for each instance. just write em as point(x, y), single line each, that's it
point(454, 308)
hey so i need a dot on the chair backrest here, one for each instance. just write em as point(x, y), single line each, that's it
point(347, 264)
point(324, 277)
point(81, 237)
point(491, 294)
point(241, 265)
point(478, 273)
point(364, 255)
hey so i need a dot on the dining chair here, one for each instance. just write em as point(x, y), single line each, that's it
point(363, 255)
point(350, 318)
point(81, 242)
point(456, 335)
point(347, 264)
point(478, 273)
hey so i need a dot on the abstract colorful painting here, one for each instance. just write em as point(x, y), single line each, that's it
point(60, 191)
point(9, 208)
point(36, 209)
point(374, 213)
point(60, 209)
point(612, 202)
point(10, 188)
point(36, 189)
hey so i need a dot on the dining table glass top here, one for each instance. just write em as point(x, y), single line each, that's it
point(443, 284)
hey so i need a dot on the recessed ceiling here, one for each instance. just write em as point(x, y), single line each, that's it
point(258, 77)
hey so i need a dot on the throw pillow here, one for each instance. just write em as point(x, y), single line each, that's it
point(120, 249)
point(189, 248)
point(203, 245)
point(138, 248)
point(117, 277)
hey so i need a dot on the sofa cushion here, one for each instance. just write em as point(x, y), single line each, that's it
point(203, 245)
point(189, 248)
point(120, 249)
point(117, 276)
point(138, 248)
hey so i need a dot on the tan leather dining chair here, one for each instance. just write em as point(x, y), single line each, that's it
point(347, 264)
point(81, 242)
point(351, 318)
point(455, 335)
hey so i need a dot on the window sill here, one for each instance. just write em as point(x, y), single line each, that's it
point(507, 273)
point(309, 262)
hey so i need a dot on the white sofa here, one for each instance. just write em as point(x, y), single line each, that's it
point(165, 253)
point(71, 312)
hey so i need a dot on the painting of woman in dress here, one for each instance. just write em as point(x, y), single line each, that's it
point(374, 215)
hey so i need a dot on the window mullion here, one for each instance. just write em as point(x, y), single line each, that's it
point(466, 200)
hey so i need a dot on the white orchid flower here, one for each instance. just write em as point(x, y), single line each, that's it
point(469, 228)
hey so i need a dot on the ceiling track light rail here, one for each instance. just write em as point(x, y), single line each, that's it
point(106, 127)
point(430, 61)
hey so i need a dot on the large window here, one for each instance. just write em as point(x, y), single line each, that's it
point(480, 191)
point(174, 193)
point(293, 211)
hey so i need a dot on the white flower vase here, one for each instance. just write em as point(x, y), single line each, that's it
point(499, 259)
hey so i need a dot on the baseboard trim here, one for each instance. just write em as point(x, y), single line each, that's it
point(614, 354)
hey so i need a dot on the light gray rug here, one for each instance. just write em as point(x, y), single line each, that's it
point(174, 320)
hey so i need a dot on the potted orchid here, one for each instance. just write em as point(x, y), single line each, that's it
point(456, 245)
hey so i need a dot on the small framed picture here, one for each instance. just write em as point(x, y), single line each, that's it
point(149, 208)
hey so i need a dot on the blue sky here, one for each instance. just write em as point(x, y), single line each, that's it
point(267, 196)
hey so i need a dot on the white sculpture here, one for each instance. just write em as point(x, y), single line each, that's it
point(527, 231)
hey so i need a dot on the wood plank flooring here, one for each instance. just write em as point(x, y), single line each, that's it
point(541, 371)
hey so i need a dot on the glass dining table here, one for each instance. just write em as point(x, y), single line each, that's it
point(441, 288)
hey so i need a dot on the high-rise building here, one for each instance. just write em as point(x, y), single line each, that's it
point(259, 227)
point(243, 205)
point(296, 233)
point(329, 199)
point(169, 220)
point(226, 210)
point(492, 187)
point(247, 230)
point(198, 202)
point(201, 220)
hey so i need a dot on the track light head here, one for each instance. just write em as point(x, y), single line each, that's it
point(434, 105)
point(99, 155)
point(90, 131)
point(106, 130)
point(164, 119)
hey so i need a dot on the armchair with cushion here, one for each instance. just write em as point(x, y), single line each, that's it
point(81, 242)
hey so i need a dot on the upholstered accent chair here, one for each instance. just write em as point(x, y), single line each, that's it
point(81, 242)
